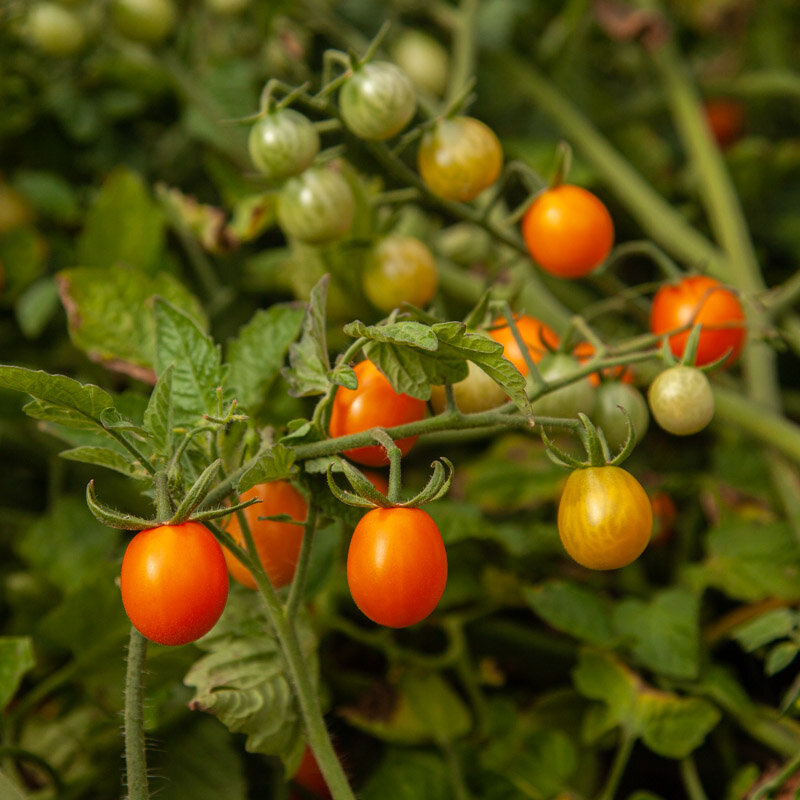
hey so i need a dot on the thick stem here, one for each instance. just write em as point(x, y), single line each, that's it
point(135, 760)
point(299, 579)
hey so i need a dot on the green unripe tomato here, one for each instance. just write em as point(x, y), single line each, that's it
point(477, 392)
point(316, 206)
point(681, 400)
point(423, 59)
point(147, 21)
point(400, 269)
point(377, 101)
point(54, 30)
point(570, 399)
point(611, 420)
point(283, 144)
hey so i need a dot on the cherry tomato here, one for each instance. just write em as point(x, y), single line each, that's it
point(725, 118)
point(584, 351)
point(309, 776)
point(568, 231)
point(396, 566)
point(316, 206)
point(604, 517)
point(373, 404)
point(459, 158)
point(54, 30)
point(665, 514)
point(607, 415)
point(377, 479)
point(277, 543)
point(400, 269)
point(567, 400)
point(174, 582)
point(540, 339)
point(699, 299)
point(423, 59)
point(378, 100)
point(283, 143)
point(148, 21)
point(681, 400)
point(477, 392)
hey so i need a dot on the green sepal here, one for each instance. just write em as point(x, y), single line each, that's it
point(197, 493)
point(438, 484)
point(112, 517)
point(348, 498)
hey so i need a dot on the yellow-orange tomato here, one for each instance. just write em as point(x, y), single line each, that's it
point(568, 231)
point(540, 339)
point(277, 543)
point(604, 517)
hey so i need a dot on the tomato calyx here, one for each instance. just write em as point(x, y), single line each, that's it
point(594, 444)
point(690, 353)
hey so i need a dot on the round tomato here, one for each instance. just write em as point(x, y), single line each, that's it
point(681, 400)
point(174, 582)
point(316, 206)
point(396, 566)
point(423, 59)
point(725, 118)
point(567, 400)
point(477, 392)
point(608, 416)
point(584, 351)
point(283, 143)
point(148, 21)
point(539, 338)
point(377, 101)
point(459, 158)
point(568, 231)
point(54, 30)
point(604, 517)
point(373, 404)
point(699, 299)
point(400, 269)
point(277, 543)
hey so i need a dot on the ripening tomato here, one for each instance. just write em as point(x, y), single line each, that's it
point(604, 517)
point(568, 231)
point(459, 158)
point(540, 339)
point(283, 143)
point(477, 392)
point(725, 118)
point(400, 269)
point(148, 21)
point(700, 299)
point(377, 101)
point(681, 400)
point(174, 582)
point(277, 543)
point(373, 404)
point(396, 566)
point(310, 777)
point(584, 351)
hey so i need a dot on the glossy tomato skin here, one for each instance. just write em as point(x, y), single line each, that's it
point(568, 231)
point(459, 158)
point(278, 543)
point(283, 144)
point(703, 300)
point(377, 101)
point(316, 206)
point(373, 404)
point(396, 566)
point(681, 400)
point(400, 269)
point(604, 517)
point(540, 339)
point(174, 582)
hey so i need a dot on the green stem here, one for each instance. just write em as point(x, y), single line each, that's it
point(163, 504)
point(135, 760)
point(132, 449)
point(789, 769)
point(691, 780)
point(621, 759)
point(462, 66)
point(301, 571)
point(455, 772)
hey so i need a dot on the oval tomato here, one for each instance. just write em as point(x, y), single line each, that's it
point(396, 566)
point(283, 143)
point(539, 338)
point(400, 269)
point(373, 404)
point(700, 299)
point(174, 582)
point(568, 231)
point(459, 158)
point(277, 543)
point(604, 517)
point(377, 101)
point(681, 400)
point(316, 206)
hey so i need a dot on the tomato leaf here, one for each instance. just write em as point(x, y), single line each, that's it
point(197, 371)
point(16, 659)
point(257, 354)
point(778, 623)
point(123, 463)
point(158, 416)
point(408, 775)
point(403, 332)
point(277, 463)
point(780, 656)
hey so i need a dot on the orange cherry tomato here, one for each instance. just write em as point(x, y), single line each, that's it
point(277, 543)
point(373, 404)
point(584, 351)
point(725, 118)
point(309, 776)
point(540, 339)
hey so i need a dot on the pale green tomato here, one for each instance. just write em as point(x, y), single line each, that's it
point(477, 392)
point(424, 60)
point(54, 30)
point(283, 144)
point(681, 400)
point(148, 21)
point(608, 416)
point(568, 400)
